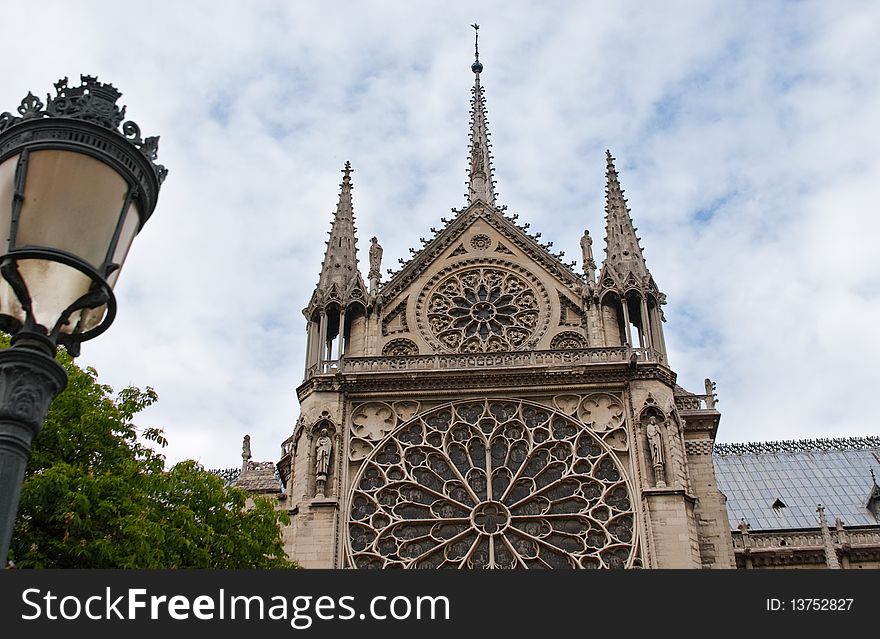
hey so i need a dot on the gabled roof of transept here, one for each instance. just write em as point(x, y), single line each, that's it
point(517, 235)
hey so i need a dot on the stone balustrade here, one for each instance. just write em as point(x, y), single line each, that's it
point(471, 361)
point(776, 541)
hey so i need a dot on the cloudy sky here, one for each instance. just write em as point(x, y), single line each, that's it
point(746, 136)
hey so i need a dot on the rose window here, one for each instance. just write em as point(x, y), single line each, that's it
point(482, 310)
point(491, 484)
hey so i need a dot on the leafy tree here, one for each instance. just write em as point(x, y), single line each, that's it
point(97, 495)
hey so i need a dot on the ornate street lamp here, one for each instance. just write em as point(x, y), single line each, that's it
point(74, 191)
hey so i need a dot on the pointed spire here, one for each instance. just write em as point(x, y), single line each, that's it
point(622, 250)
point(340, 260)
point(480, 184)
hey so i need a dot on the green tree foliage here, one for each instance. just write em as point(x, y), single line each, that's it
point(97, 495)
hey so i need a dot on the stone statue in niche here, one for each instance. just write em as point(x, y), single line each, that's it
point(655, 447)
point(323, 449)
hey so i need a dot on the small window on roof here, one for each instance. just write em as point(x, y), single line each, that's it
point(778, 504)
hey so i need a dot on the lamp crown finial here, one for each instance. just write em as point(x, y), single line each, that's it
point(93, 102)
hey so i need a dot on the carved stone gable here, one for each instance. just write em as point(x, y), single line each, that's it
point(482, 230)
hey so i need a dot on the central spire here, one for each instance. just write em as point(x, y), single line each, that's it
point(480, 183)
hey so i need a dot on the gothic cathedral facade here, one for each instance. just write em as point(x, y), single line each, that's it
point(489, 406)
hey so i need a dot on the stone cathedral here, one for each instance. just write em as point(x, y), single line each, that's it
point(491, 406)
point(488, 406)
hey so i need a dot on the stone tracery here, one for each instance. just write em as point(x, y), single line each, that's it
point(491, 484)
point(400, 346)
point(483, 308)
point(568, 340)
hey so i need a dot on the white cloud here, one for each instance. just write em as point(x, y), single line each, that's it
point(746, 138)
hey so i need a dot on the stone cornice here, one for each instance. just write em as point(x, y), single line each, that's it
point(532, 393)
point(652, 492)
point(483, 379)
point(701, 422)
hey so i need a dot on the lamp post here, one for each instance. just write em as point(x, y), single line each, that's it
point(74, 192)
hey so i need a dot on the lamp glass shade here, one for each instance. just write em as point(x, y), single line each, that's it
point(92, 317)
point(7, 192)
point(71, 203)
point(9, 304)
point(53, 287)
point(10, 307)
point(130, 226)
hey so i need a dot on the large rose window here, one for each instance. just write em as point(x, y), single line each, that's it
point(491, 484)
point(483, 309)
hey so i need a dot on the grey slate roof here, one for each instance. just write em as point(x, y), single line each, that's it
point(835, 473)
point(259, 477)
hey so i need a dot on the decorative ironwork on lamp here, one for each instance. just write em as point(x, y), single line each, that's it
point(75, 189)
